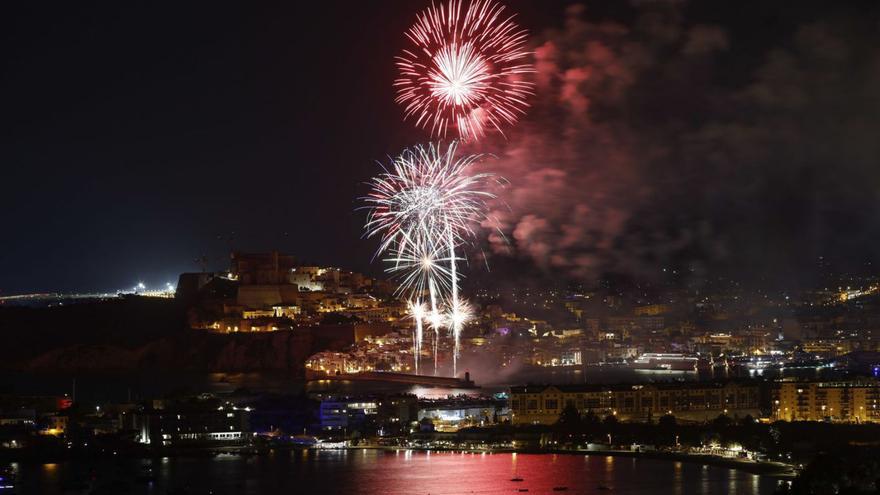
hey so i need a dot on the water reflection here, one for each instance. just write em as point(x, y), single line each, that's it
point(704, 479)
point(731, 485)
point(678, 478)
point(405, 472)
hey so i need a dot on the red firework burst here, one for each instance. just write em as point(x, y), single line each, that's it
point(464, 72)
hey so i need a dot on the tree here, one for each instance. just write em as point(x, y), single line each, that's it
point(667, 421)
point(722, 422)
point(666, 429)
point(569, 422)
point(747, 420)
point(856, 471)
point(569, 416)
point(610, 425)
point(591, 422)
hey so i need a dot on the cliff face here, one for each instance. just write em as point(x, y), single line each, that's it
point(82, 358)
point(274, 351)
point(100, 333)
point(192, 351)
point(146, 334)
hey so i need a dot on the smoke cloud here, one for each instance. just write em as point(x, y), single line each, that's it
point(666, 142)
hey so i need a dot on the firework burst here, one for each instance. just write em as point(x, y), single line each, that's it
point(463, 72)
point(426, 195)
point(424, 207)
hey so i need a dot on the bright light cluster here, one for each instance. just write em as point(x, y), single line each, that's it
point(464, 71)
point(424, 207)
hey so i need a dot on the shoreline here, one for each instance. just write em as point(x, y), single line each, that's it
point(763, 468)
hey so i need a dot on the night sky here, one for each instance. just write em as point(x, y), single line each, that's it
point(707, 137)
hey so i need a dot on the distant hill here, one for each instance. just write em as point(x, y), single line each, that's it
point(127, 322)
point(147, 333)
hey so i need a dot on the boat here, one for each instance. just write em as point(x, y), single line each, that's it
point(560, 488)
point(656, 362)
point(516, 479)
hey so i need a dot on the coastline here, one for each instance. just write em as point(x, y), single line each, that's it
point(764, 468)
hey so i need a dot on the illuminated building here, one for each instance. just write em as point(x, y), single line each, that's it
point(330, 362)
point(686, 400)
point(258, 313)
point(21, 417)
point(261, 268)
point(340, 414)
point(848, 401)
point(635, 325)
point(454, 414)
point(196, 425)
point(827, 347)
point(305, 278)
point(54, 424)
point(652, 310)
point(372, 315)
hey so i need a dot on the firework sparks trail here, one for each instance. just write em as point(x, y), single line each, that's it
point(436, 322)
point(422, 207)
point(454, 324)
point(460, 313)
point(464, 71)
point(417, 312)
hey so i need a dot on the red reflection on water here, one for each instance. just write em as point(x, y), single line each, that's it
point(455, 473)
point(447, 473)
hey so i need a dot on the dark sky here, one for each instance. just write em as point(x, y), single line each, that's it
point(136, 137)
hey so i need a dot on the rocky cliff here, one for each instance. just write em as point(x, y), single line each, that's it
point(191, 351)
point(148, 334)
